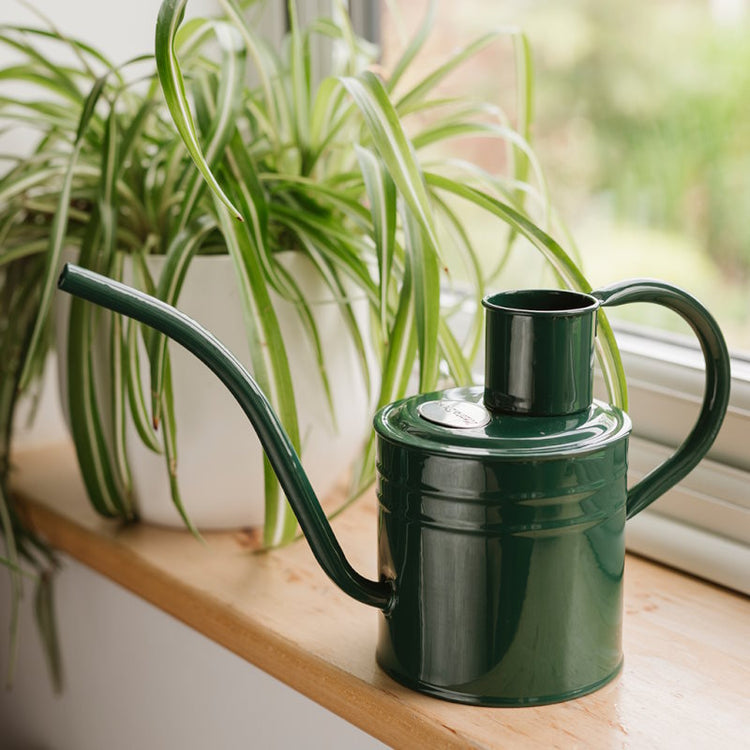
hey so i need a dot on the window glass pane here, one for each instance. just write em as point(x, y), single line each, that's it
point(642, 125)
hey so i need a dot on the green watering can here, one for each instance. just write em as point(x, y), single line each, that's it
point(501, 531)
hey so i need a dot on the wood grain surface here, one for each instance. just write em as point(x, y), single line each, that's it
point(685, 684)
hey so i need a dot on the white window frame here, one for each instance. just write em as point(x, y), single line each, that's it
point(703, 524)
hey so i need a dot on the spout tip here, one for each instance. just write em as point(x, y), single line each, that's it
point(62, 278)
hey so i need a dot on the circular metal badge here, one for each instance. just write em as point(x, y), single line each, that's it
point(462, 415)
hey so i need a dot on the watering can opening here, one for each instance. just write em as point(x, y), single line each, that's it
point(539, 352)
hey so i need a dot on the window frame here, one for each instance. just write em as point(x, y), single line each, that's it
point(702, 525)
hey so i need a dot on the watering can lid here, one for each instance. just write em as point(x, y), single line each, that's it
point(455, 422)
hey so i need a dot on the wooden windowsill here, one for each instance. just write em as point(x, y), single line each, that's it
point(687, 662)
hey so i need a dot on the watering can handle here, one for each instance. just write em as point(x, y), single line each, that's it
point(716, 394)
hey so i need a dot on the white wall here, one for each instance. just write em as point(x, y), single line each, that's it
point(137, 678)
point(120, 29)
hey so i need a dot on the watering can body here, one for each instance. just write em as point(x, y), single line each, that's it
point(502, 508)
point(509, 563)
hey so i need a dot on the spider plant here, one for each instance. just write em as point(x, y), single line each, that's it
point(229, 145)
point(19, 300)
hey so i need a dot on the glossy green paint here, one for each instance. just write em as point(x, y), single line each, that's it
point(508, 558)
point(542, 344)
point(502, 508)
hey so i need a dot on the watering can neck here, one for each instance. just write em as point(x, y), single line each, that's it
point(539, 352)
point(276, 443)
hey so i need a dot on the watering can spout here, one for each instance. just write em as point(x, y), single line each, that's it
point(276, 443)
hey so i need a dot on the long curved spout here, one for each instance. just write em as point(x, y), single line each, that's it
point(283, 458)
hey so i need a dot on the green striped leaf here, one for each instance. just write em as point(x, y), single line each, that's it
point(254, 204)
point(172, 277)
point(55, 72)
point(18, 303)
point(326, 120)
point(170, 449)
point(222, 114)
point(444, 131)
point(143, 424)
point(300, 82)
point(58, 232)
point(9, 255)
point(415, 95)
point(394, 148)
point(339, 248)
point(13, 187)
point(415, 45)
point(398, 155)
point(107, 197)
point(88, 435)
point(474, 267)
point(30, 74)
point(46, 620)
point(82, 50)
point(85, 409)
point(457, 364)
point(304, 310)
point(117, 369)
point(265, 63)
point(400, 352)
point(426, 279)
point(270, 364)
point(381, 193)
point(342, 198)
point(170, 16)
point(524, 98)
point(340, 296)
point(136, 399)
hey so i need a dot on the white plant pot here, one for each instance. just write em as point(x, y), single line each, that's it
point(220, 461)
